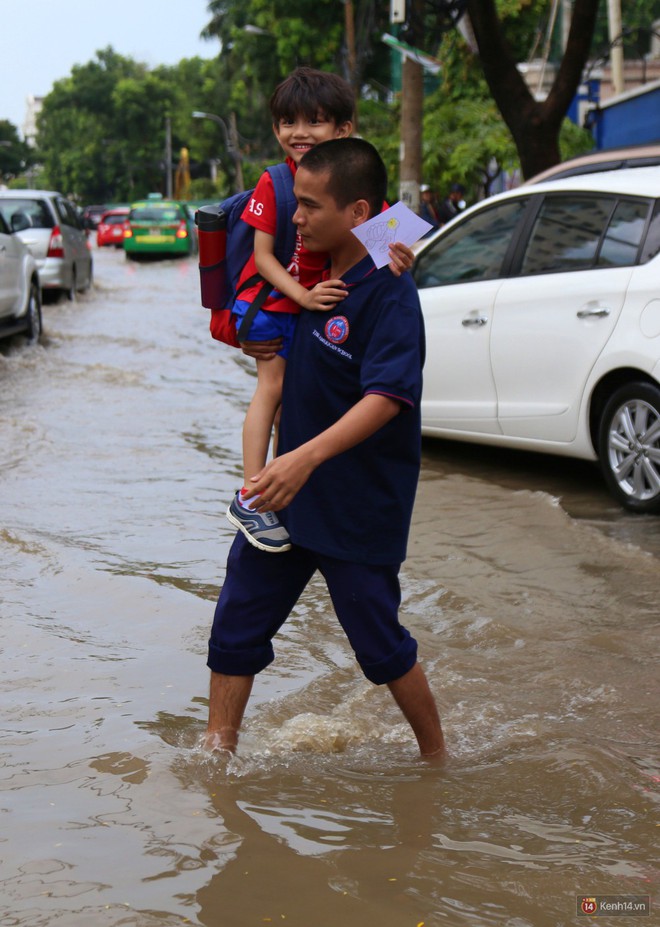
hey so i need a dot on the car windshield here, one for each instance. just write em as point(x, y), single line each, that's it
point(36, 211)
point(154, 214)
point(117, 219)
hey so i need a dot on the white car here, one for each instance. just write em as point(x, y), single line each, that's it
point(20, 291)
point(50, 226)
point(542, 312)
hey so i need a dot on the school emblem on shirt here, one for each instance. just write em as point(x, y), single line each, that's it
point(337, 329)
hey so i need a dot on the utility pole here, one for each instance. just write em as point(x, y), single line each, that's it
point(230, 136)
point(566, 16)
point(412, 107)
point(616, 44)
point(168, 157)
point(410, 156)
point(236, 152)
point(351, 56)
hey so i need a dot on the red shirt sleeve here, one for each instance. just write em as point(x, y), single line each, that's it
point(261, 210)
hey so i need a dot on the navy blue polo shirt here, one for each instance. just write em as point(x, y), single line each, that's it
point(358, 505)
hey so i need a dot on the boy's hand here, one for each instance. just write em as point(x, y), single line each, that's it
point(325, 295)
point(401, 258)
point(262, 350)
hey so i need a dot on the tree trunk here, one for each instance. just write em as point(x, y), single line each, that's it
point(534, 125)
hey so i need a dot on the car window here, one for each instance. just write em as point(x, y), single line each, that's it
point(652, 243)
point(113, 220)
point(473, 250)
point(36, 210)
point(4, 228)
point(60, 207)
point(67, 213)
point(624, 233)
point(566, 233)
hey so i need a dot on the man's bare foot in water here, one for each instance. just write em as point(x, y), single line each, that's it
point(223, 741)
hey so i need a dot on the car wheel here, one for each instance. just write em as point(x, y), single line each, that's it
point(629, 446)
point(33, 322)
point(72, 292)
point(90, 278)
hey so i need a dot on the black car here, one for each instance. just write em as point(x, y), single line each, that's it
point(91, 215)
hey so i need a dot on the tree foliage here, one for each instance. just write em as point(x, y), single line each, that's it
point(15, 155)
point(101, 132)
point(534, 124)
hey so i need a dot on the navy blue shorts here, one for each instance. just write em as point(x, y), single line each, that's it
point(260, 590)
point(267, 325)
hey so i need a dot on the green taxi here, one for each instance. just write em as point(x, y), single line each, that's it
point(159, 226)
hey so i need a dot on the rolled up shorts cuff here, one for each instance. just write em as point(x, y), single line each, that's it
point(395, 666)
point(244, 662)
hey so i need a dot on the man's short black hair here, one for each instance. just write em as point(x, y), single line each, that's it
point(356, 171)
point(313, 93)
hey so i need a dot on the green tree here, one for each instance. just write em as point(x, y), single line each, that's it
point(15, 155)
point(466, 139)
point(102, 129)
point(535, 125)
point(76, 128)
point(264, 40)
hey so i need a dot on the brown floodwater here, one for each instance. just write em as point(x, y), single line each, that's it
point(534, 599)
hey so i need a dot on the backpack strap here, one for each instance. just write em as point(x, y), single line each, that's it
point(253, 308)
point(285, 201)
point(285, 238)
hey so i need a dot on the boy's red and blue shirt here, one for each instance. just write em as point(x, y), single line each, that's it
point(358, 505)
point(306, 267)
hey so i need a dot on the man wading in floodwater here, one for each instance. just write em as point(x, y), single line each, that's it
point(348, 464)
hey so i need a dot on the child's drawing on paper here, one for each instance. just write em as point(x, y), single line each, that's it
point(398, 223)
point(382, 234)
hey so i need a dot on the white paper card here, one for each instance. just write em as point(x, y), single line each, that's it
point(398, 223)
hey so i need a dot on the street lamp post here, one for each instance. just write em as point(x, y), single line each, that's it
point(231, 143)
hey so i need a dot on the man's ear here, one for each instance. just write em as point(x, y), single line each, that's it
point(360, 212)
point(344, 130)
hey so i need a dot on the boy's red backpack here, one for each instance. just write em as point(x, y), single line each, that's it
point(226, 243)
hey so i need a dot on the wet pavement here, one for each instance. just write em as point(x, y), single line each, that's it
point(533, 596)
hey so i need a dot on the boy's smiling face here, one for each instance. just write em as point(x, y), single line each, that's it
point(298, 135)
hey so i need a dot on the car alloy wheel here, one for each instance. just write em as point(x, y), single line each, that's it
point(629, 446)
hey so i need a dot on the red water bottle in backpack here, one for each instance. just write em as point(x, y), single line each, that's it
point(212, 234)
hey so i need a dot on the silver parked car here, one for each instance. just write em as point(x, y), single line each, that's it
point(20, 293)
point(52, 229)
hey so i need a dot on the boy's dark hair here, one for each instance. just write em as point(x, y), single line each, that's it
point(356, 171)
point(312, 93)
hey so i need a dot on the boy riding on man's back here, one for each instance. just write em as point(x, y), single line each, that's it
point(307, 108)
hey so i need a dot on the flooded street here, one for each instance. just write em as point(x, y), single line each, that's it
point(534, 599)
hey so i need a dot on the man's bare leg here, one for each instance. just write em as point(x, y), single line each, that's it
point(415, 699)
point(227, 701)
